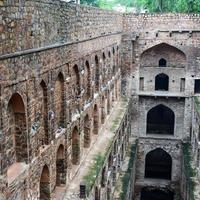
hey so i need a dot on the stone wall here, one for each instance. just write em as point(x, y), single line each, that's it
point(51, 65)
point(40, 24)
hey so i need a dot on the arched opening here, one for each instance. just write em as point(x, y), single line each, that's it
point(109, 191)
point(18, 151)
point(95, 120)
point(103, 110)
point(75, 147)
point(60, 166)
point(162, 82)
point(45, 112)
point(156, 194)
point(162, 62)
point(77, 80)
point(59, 100)
point(197, 86)
point(87, 138)
point(108, 103)
point(97, 74)
point(97, 194)
point(158, 164)
point(163, 55)
point(88, 80)
point(103, 177)
point(104, 69)
point(45, 184)
point(160, 120)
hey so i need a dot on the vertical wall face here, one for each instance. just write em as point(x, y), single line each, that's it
point(159, 70)
point(67, 74)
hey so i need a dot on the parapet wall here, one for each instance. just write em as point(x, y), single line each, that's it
point(29, 24)
point(168, 21)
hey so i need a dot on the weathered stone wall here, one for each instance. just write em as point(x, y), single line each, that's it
point(147, 38)
point(50, 55)
point(47, 22)
point(174, 149)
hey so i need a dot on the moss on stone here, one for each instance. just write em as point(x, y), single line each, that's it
point(188, 170)
point(127, 175)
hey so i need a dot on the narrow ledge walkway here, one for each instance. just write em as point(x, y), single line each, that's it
point(104, 139)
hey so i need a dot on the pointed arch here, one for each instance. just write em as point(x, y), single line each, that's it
point(162, 82)
point(158, 164)
point(59, 99)
point(87, 137)
point(88, 80)
point(75, 146)
point(97, 73)
point(108, 102)
point(95, 120)
point(76, 80)
point(44, 111)
point(162, 63)
point(174, 56)
point(160, 120)
point(60, 166)
point(45, 184)
point(18, 151)
point(103, 110)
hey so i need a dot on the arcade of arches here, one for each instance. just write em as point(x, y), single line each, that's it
point(98, 105)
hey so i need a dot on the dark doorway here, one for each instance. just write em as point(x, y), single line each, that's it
point(162, 82)
point(45, 184)
point(158, 164)
point(60, 166)
point(156, 194)
point(197, 86)
point(160, 120)
point(162, 62)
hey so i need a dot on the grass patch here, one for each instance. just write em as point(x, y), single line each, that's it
point(90, 178)
point(196, 100)
point(188, 170)
point(116, 122)
point(127, 175)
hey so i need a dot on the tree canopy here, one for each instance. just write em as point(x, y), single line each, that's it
point(181, 6)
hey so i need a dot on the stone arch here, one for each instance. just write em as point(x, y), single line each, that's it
point(104, 68)
point(160, 120)
point(156, 193)
point(158, 164)
point(103, 110)
point(75, 146)
point(103, 177)
point(60, 166)
point(97, 193)
point(108, 102)
point(97, 73)
point(77, 85)
point(162, 63)
point(174, 56)
point(109, 54)
point(17, 129)
point(88, 80)
point(44, 111)
point(162, 82)
point(45, 193)
point(95, 120)
point(113, 49)
point(87, 137)
point(109, 190)
point(59, 100)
